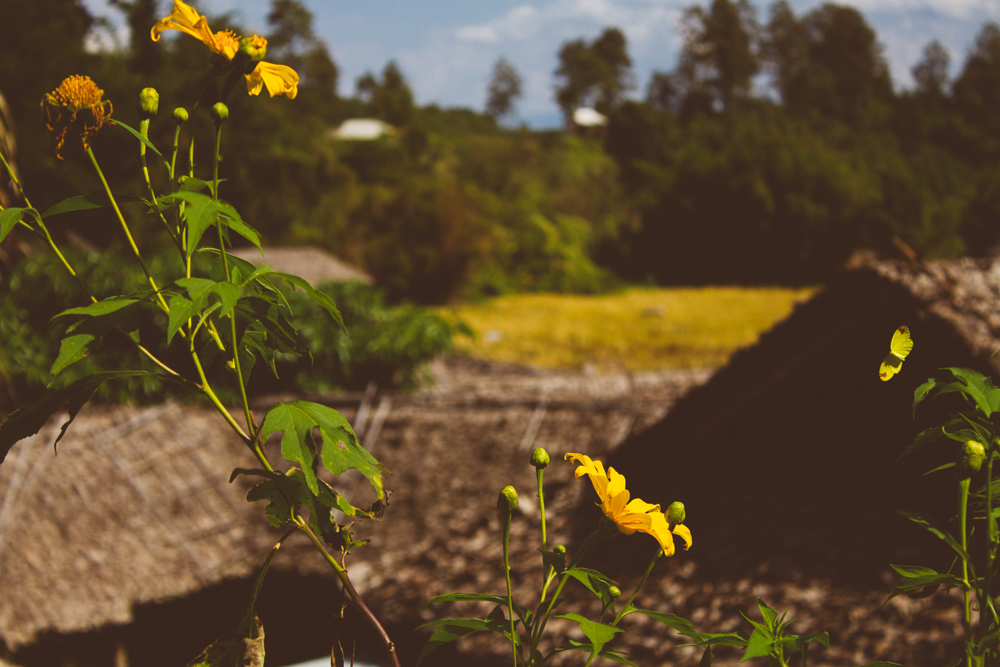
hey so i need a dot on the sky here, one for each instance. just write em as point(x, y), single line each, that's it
point(447, 48)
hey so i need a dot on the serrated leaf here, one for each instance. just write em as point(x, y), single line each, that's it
point(96, 321)
point(599, 634)
point(266, 317)
point(91, 200)
point(682, 626)
point(769, 615)
point(27, 421)
point(758, 645)
point(9, 217)
point(340, 449)
point(317, 296)
point(551, 559)
point(597, 583)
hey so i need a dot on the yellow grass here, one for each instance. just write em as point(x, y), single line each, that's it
point(636, 329)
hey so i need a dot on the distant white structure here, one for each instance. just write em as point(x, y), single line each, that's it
point(586, 117)
point(363, 129)
point(307, 262)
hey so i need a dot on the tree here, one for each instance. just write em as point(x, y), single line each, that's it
point(505, 87)
point(977, 90)
point(785, 52)
point(596, 74)
point(291, 25)
point(931, 72)
point(720, 51)
point(390, 98)
point(662, 92)
point(145, 55)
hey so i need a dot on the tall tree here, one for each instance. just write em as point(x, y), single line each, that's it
point(145, 55)
point(390, 98)
point(931, 72)
point(596, 74)
point(977, 90)
point(504, 89)
point(720, 50)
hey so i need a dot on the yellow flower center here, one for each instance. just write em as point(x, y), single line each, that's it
point(228, 42)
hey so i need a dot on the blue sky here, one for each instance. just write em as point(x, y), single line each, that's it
point(446, 48)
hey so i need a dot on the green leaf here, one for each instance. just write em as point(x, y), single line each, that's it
point(759, 644)
point(449, 629)
point(721, 639)
point(916, 577)
point(683, 626)
point(191, 184)
point(91, 200)
point(769, 615)
point(289, 493)
point(609, 654)
point(234, 650)
point(551, 559)
point(597, 583)
point(819, 637)
point(523, 613)
point(95, 322)
point(138, 136)
point(317, 296)
point(599, 634)
point(340, 450)
point(922, 391)
point(203, 212)
point(976, 386)
point(27, 421)
point(267, 318)
point(935, 529)
point(9, 217)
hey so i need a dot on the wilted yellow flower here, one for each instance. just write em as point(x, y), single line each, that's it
point(630, 516)
point(76, 110)
point(279, 79)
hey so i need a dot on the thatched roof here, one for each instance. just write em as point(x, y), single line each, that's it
point(136, 508)
point(313, 264)
point(786, 456)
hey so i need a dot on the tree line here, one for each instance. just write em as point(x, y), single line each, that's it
point(775, 148)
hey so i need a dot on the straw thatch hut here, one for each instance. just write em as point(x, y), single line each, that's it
point(131, 547)
point(313, 264)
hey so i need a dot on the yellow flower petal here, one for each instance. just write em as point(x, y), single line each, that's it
point(186, 19)
point(616, 482)
point(660, 530)
point(685, 533)
point(279, 79)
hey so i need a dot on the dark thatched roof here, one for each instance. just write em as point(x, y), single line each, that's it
point(787, 455)
point(313, 264)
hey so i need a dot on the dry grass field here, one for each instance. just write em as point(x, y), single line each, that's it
point(636, 329)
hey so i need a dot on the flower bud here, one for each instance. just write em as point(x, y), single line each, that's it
point(220, 113)
point(675, 513)
point(971, 459)
point(540, 458)
point(149, 103)
point(507, 501)
point(559, 549)
point(180, 115)
point(614, 591)
point(254, 47)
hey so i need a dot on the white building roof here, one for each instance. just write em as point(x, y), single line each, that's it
point(363, 129)
point(585, 117)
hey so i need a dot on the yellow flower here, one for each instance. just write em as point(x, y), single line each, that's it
point(630, 516)
point(65, 110)
point(186, 19)
point(279, 79)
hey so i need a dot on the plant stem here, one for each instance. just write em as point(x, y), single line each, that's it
point(541, 505)
point(349, 587)
point(587, 545)
point(121, 219)
point(963, 503)
point(621, 612)
point(510, 596)
point(144, 131)
point(13, 177)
